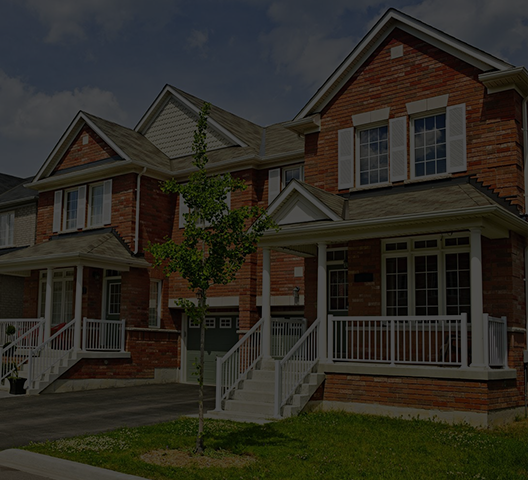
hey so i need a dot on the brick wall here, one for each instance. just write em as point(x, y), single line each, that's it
point(494, 143)
point(11, 296)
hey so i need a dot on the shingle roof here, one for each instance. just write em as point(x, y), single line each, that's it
point(19, 192)
point(133, 144)
point(7, 182)
point(335, 202)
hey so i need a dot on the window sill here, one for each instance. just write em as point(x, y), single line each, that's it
point(370, 187)
point(428, 178)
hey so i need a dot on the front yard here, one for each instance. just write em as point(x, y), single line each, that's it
point(312, 446)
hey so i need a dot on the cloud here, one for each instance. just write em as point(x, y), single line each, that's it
point(198, 40)
point(499, 28)
point(67, 20)
point(29, 115)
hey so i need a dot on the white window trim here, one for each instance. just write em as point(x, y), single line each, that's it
point(11, 228)
point(357, 159)
point(441, 250)
point(299, 167)
point(65, 207)
point(159, 286)
point(223, 319)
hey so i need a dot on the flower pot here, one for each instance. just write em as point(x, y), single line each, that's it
point(17, 386)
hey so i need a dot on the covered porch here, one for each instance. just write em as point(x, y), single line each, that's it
point(66, 272)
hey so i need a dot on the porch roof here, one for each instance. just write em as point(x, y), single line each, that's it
point(99, 249)
point(431, 207)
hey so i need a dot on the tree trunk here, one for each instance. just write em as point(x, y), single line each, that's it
point(199, 437)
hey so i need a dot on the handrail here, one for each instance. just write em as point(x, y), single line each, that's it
point(496, 341)
point(17, 353)
point(235, 364)
point(284, 334)
point(103, 335)
point(50, 353)
point(291, 371)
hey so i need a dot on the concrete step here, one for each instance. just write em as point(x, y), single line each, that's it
point(254, 396)
point(256, 408)
point(263, 375)
point(256, 386)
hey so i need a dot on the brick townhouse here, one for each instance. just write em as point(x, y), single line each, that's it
point(399, 190)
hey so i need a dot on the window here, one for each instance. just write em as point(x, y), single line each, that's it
point(337, 261)
point(373, 156)
point(96, 205)
point(7, 224)
point(183, 209)
point(278, 178)
point(155, 304)
point(426, 277)
point(69, 210)
point(290, 173)
point(225, 322)
point(430, 145)
point(71, 205)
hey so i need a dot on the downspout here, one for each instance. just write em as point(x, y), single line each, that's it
point(525, 151)
point(138, 195)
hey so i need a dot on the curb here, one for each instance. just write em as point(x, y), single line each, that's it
point(57, 468)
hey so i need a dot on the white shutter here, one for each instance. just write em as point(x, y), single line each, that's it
point(345, 165)
point(107, 202)
point(81, 206)
point(398, 149)
point(11, 229)
point(456, 138)
point(57, 211)
point(183, 209)
point(274, 184)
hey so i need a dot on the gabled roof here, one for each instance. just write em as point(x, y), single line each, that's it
point(7, 182)
point(378, 34)
point(129, 145)
point(18, 194)
point(101, 249)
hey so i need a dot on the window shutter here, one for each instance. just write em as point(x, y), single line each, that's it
point(81, 206)
point(107, 202)
point(57, 211)
point(345, 165)
point(11, 229)
point(456, 138)
point(274, 184)
point(183, 209)
point(398, 149)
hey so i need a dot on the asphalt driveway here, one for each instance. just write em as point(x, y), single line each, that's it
point(37, 418)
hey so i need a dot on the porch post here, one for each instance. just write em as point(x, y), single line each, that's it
point(49, 299)
point(266, 302)
point(78, 308)
point(477, 303)
point(322, 309)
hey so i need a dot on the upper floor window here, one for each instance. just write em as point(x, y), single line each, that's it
point(375, 151)
point(373, 155)
point(430, 155)
point(278, 178)
point(70, 207)
point(7, 224)
point(154, 319)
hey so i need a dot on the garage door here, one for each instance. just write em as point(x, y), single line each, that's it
point(220, 336)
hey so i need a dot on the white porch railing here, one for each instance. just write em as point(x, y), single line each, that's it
point(496, 341)
point(103, 335)
point(291, 371)
point(235, 364)
point(285, 332)
point(50, 353)
point(21, 326)
point(436, 340)
point(17, 352)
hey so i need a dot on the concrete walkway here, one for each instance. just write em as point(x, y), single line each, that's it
point(25, 419)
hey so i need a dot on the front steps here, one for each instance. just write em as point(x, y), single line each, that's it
point(253, 400)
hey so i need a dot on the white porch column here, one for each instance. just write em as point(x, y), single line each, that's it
point(49, 304)
point(477, 303)
point(78, 308)
point(322, 308)
point(266, 302)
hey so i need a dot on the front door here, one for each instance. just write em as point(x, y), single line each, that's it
point(109, 333)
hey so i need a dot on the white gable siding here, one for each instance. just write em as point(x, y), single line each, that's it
point(173, 131)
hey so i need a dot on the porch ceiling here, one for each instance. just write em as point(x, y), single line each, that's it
point(99, 250)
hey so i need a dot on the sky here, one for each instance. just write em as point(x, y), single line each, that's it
point(260, 59)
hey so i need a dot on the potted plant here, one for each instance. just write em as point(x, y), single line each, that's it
point(16, 383)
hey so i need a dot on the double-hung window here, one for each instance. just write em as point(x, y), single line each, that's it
point(373, 156)
point(278, 178)
point(427, 276)
point(7, 224)
point(71, 209)
point(430, 145)
point(95, 205)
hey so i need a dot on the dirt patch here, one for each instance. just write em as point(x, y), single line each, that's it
point(181, 458)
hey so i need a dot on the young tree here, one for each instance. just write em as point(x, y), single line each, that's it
point(215, 242)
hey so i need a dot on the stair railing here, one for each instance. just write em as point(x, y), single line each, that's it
point(17, 352)
point(50, 353)
point(291, 371)
point(234, 366)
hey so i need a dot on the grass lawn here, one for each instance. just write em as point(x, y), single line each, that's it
point(313, 446)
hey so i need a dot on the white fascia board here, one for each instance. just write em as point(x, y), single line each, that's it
point(73, 129)
point(378, 34)
point(210, 120)
point(293, 187)
point(492, 218)
point(107, 140)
